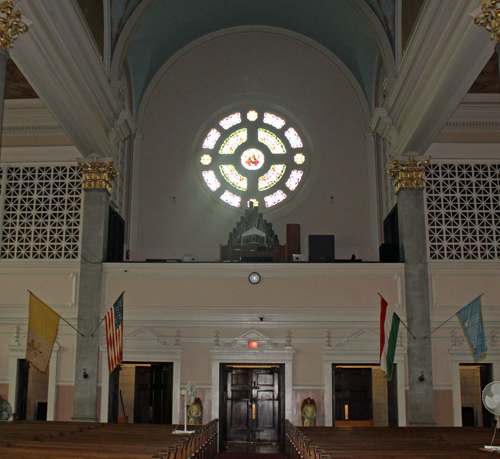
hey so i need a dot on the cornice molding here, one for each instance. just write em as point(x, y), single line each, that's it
point(60, 60)
point(477, 112)
point(446, 43)
point(472, 126)
point(29, 117)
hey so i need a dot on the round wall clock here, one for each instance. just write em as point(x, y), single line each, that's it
point(254, 278)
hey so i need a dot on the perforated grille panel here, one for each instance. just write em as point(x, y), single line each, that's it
point(41, 212)
point(463, 211)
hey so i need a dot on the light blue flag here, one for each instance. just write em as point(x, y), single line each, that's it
point(471, 320)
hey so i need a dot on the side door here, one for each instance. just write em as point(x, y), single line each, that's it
point(353, 394)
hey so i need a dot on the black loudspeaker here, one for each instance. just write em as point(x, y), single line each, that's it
point(322, 248)
point(389, 253)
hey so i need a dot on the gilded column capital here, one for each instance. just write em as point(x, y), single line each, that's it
point(489, 18)
point(408, 174)
point(11, 25)
point(98, 175)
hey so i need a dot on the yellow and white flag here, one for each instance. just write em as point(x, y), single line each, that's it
point(42, 331)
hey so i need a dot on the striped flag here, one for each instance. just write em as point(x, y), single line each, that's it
point(114, 334)
point(43, 323)
point(389, 326)
point(471, 320)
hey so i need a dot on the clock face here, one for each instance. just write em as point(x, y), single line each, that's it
point(254, 278)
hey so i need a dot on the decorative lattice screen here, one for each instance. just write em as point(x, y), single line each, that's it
point(463, 211)
point(41, 212)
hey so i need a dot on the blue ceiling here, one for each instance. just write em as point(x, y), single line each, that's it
point(173, 24)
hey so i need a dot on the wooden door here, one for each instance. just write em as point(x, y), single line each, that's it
point(142, 395)
point(486, 376)
point(253, 404)
point(153, 394)
point(353, 394)
point(23, 371)
point(114, 395)
point(161, 393)
point(392, 398)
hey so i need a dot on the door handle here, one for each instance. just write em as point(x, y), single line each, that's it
point(253, 411)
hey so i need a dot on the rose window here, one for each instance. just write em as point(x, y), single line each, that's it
point(253, 157)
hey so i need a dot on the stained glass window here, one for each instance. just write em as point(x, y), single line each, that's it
point(252, 159)
point(274, 120)
point(252, 115)
point(233, 177)
point(206, 160)
point(274, 198)
point(271, 177)
point(248, 147)
point(231, 121)
point(211, 180)
point(293, 138)
point(233, 142)
point(231, 199)
point(271, 141)
point(211, 139)
point(294, 179)
point(299, 158)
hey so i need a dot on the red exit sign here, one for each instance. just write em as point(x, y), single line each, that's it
point(253, 344)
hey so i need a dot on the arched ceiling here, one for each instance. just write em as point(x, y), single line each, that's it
point(150, 32)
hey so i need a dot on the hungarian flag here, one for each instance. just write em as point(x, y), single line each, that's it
point(389, 326)
point(114, 334)
point(43, 323)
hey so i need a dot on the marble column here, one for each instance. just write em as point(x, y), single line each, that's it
point(497, 50)
point(413, 250)
point(4, 57)
point(408, 178)
point(93, 252)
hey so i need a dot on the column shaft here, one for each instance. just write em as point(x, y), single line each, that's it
point(413, 248)
point(93, 249)
point(4, 57)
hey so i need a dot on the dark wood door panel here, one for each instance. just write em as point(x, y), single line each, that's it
point(253, 408)
point(353, 394)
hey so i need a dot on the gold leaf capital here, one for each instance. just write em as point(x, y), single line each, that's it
point(408, 174)
point(98, 175)
point(489, 18)
point(11, 25)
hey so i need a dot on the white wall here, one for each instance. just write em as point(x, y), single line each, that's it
point(245, 66)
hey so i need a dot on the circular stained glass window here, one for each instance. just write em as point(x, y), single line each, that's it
point(252, 156)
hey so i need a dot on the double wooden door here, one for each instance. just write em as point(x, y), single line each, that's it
point(253, 408)
point(153, 394)
point(153, 385)
point(353, 394)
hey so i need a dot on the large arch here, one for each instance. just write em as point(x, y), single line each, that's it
point(353, 28)
point(285, 68)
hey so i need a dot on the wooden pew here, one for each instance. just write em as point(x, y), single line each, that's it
point(385, 442)
point(71, 440)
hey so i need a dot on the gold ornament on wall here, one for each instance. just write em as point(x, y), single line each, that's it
point(11, 25)
point(408, 174)
point(489, 18)
point(98, 175)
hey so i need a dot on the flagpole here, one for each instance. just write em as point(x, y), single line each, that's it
point(445, 322)
point(404, 325)
point(79, 332)
point(92, 335)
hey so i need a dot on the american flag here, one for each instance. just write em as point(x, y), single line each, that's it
point(114, 334)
